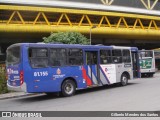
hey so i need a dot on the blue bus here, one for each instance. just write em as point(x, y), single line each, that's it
point(65, 68)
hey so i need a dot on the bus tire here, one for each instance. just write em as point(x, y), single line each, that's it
point(68, 88)
point(124, 80)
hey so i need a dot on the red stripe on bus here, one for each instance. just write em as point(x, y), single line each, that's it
point(85, 76)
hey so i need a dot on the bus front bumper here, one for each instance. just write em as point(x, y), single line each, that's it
point(148, 71)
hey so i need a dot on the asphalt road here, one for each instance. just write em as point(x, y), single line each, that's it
point(140, 95)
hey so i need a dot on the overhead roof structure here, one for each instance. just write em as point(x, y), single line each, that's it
point(45, 16)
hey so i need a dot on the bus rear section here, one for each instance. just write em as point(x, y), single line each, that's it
point(147, 62)
point(15, 80)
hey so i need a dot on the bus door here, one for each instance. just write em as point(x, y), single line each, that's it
point(91, 61)
point(135, 64)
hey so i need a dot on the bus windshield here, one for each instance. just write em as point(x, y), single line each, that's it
point(144, 54)
point(13, 55)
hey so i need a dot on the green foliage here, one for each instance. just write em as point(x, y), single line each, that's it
point(3, 81)
point(66, 38)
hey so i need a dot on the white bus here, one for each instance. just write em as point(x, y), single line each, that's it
point(147, 62)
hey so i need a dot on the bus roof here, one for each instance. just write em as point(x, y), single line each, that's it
point(73, 46)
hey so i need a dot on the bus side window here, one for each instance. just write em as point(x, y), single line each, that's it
point(75, 56)
point(117, 56)
point(58, 57)
point(105, 57)
point(38, 57)
point(126, 56)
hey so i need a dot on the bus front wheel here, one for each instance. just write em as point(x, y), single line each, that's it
point(124, 80)
point(68, 88)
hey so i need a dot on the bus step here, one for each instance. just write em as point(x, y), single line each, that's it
point(93, 86)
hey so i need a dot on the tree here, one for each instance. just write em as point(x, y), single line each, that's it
point(66, 38)
point(3, 81)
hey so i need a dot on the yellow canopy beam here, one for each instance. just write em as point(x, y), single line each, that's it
point(101, 30)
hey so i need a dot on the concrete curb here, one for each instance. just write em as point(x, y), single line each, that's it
point(15, 95)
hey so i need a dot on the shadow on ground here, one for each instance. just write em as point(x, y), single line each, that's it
point(43, 97)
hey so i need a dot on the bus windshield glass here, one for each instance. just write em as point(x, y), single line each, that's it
point(144, 54)
point(13, 55)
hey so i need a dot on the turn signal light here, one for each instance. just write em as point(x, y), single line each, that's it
point(21, 77)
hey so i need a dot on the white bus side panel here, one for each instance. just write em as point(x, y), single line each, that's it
point(109, 72)
point(124, 67)
point(113, 72)
point(119, 71)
